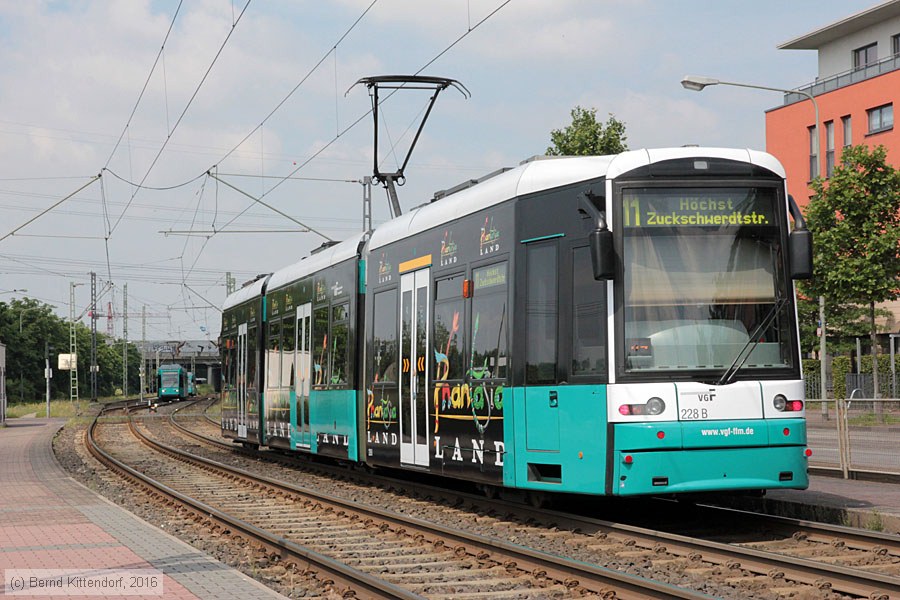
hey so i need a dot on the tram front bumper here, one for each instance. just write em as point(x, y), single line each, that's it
point(709, 456)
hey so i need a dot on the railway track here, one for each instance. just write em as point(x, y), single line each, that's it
point(795, 555)
point(367, 552)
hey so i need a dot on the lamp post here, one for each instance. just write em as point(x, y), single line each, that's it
point(48, 374)
point(16, 291)
point(697, 83)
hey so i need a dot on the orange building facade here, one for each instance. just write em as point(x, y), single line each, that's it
point(857, 89)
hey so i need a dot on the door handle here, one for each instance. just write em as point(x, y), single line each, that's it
point(554, 399)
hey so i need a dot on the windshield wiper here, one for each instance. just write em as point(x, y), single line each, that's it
point(731, 371)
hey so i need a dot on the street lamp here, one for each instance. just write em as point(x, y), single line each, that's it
point(16, 291)
point(696, 83)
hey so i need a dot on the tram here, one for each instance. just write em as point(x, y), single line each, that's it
point(172, 382)
point(611, 325)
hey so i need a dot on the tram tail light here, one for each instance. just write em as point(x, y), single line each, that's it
point(782, 404)
point(808, 453)
point(654, 406)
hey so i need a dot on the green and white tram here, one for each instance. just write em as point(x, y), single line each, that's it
point(611, 325)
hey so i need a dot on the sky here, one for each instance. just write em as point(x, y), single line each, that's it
point(154, 96)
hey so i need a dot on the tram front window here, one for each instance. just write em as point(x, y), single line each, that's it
point(703, 273)
point(169, 379)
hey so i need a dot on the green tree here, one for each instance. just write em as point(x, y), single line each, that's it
point(845, 323)
point(588, 137)
point(27, 326)
point(854, 217)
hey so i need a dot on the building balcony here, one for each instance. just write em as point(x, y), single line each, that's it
point(834, 82)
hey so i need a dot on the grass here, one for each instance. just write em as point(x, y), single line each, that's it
point(58, 408)
point(63, 409)
point(872, 420)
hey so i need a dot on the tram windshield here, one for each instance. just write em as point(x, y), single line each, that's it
point(169, 379)
point(703, 273)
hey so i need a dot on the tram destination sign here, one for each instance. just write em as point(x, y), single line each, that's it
point(701, 210)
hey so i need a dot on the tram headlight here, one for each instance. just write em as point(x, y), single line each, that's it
point(780, 403)
point(655, 406)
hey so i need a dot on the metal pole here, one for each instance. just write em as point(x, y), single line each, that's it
point(823, 385)
point(891, 339)
point(47, 373)
point(367, 204)
point(143, 350)
point(93, 337)
point(125, 340)
point(73, 348)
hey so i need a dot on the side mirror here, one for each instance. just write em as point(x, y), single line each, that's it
point(603, 254)
point(800, 257)
point(800, 242)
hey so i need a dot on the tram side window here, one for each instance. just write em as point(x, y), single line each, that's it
point(340, 331)
point(541, 313)
point(273, 357)
point(449, 334)
point(252, 358)
point(320, 346)
point(228, 366)
point(490, 323)
point(589, 304)
point(384, 343)
point(288, 335)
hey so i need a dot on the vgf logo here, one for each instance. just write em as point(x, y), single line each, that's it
point(709, 396)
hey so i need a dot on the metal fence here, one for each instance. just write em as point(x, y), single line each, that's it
point(858, 434)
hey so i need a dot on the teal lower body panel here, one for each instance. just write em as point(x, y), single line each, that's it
point(333, 423)
point(705, 470)
point(555, 438)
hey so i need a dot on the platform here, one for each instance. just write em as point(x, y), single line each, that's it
point(864, 504)
point(50, 521)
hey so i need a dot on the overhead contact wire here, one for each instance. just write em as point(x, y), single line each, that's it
point(184, 112)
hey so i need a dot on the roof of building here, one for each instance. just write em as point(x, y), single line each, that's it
point(846, 26)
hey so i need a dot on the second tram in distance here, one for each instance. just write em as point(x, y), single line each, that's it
point(614, 325)
point(172, 382)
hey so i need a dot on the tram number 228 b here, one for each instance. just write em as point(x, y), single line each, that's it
point(691, 414)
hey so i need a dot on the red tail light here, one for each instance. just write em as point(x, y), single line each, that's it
point(808, 453)
point(628, 459)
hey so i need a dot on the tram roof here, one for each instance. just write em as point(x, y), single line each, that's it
point(533, 176)
point(308, 265)
point(544, 174)
point(245, 293)
point(628, 161)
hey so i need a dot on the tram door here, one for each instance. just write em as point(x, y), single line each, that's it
point(241, 377)
point(414, 327)
point(304, 366)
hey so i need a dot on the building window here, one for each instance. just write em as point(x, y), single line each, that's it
point(865, 56)
point(829, 148)
point(881, 118)
point(813, 153)
point(848, 131)
point(895, 44)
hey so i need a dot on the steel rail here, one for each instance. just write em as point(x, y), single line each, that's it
point(345, 575)
point(570, 572)
point(843, 579)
